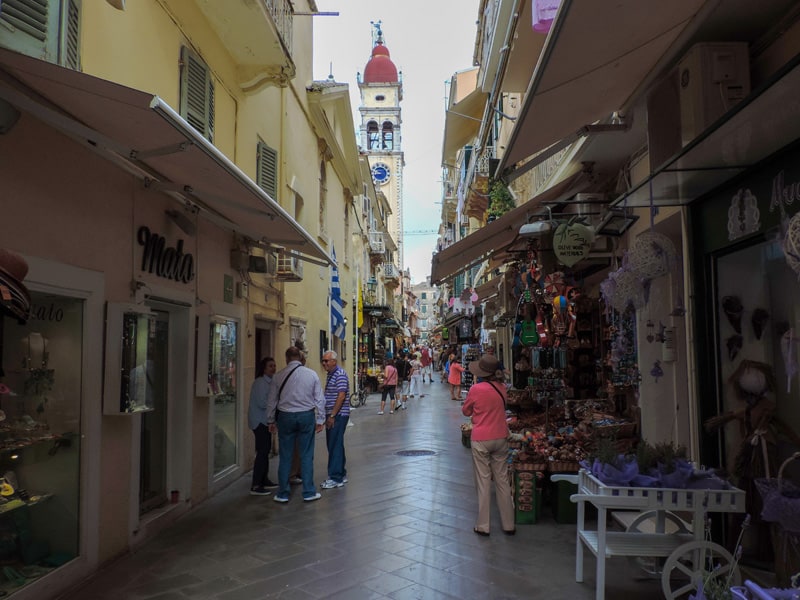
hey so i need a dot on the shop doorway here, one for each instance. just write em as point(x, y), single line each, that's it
point(265, 343)
point(153, 446)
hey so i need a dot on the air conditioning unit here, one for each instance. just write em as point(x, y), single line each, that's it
point(709, 81)
point(289, 268)
point(267, 264)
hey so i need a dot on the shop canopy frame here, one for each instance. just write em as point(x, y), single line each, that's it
point(143, 135)
point(497, 235)
point(588, 71)
point(767, 120)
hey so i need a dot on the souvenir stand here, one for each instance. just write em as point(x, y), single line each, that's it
point(563, 399)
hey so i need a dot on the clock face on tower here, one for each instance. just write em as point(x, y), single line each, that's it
point(380, 173)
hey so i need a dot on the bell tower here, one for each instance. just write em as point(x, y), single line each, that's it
point(380, 136)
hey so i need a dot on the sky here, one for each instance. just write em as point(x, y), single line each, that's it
point(428, 40)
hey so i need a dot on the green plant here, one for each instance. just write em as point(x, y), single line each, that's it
point(500, 199)
point(666, 453)
point(607, 452)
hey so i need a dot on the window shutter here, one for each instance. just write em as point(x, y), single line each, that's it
point(71, 42)
point(30, 27)
point(267, 170)
point(197, 93)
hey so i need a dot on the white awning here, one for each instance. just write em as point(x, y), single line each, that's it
point(143, 135)
point(596, 56)
point(461, 124)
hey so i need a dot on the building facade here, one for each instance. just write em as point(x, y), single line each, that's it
point(182, 233)
point(650, 138)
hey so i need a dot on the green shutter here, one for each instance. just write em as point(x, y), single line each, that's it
point(267, 170)
point(71, 41)
point(197, 93)
point(30, 27)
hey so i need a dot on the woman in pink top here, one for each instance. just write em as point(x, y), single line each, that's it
point(454, 378)
point(486, 404)
point(389, 386)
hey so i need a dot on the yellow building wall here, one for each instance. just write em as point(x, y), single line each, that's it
point(140, 47)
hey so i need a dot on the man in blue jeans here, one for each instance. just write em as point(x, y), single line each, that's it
point(296, 410)
point(337, 414)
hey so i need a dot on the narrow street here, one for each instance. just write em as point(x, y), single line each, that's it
point(401, 529)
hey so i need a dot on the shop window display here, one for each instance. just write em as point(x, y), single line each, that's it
point(758, 331)
point(40, 402)
point(222, 373)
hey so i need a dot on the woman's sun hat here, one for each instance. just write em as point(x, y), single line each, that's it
point(485, 367)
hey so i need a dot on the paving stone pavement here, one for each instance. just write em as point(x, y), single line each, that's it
point(400, 529)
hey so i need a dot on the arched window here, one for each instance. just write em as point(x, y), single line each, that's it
point(373, 136)
point(388, 135)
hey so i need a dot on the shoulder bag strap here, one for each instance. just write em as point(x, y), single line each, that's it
point(499, 393)
point(287, 379)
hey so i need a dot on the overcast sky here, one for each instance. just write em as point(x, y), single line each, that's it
point(428, 40)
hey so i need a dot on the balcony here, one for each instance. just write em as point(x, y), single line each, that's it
point(376, 242)
point(258, 35)
point(391, 275)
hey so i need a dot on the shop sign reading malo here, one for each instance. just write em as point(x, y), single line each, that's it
point(162, 260)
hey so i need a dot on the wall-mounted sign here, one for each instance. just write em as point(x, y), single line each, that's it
point(162, 260)
point(571, 243)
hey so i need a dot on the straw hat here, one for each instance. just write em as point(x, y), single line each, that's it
point(487, 366)
point(14, 297)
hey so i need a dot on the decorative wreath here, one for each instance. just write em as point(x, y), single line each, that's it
point(624, 288)
point(791, 244)
point(652, 255)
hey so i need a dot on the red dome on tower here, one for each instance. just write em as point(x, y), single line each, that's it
point(380, 68)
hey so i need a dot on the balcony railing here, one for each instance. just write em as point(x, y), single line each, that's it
point(390, 271)
point(483, 161)
point(282, 14)
point(376, 242)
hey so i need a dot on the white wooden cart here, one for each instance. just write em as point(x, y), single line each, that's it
point(688, 555)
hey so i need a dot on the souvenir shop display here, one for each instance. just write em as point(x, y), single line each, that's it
point(574, 375)
point(469, 352)
point(558, 372)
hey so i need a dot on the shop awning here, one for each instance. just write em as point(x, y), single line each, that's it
point(461, 124)
point(498, 234)
point(596, 56)
point(489, 289)
point(143, 135)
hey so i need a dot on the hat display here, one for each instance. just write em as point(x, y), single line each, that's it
point(15, 300)
point(486, 366)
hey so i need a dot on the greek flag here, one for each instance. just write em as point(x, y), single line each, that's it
point(337, 312)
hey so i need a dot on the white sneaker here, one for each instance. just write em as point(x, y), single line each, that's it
point(329, 484)
point(391, 412)
point(316, 496)
point(380, 412)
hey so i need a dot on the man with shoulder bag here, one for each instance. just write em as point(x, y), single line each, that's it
point(296, 410)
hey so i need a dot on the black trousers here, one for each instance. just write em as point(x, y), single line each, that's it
point(261, 464)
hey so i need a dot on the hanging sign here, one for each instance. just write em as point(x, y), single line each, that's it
point(572, 242)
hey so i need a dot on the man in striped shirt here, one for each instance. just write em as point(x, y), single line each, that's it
point(337, 414)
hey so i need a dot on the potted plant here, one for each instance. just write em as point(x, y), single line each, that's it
point(500, 199)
